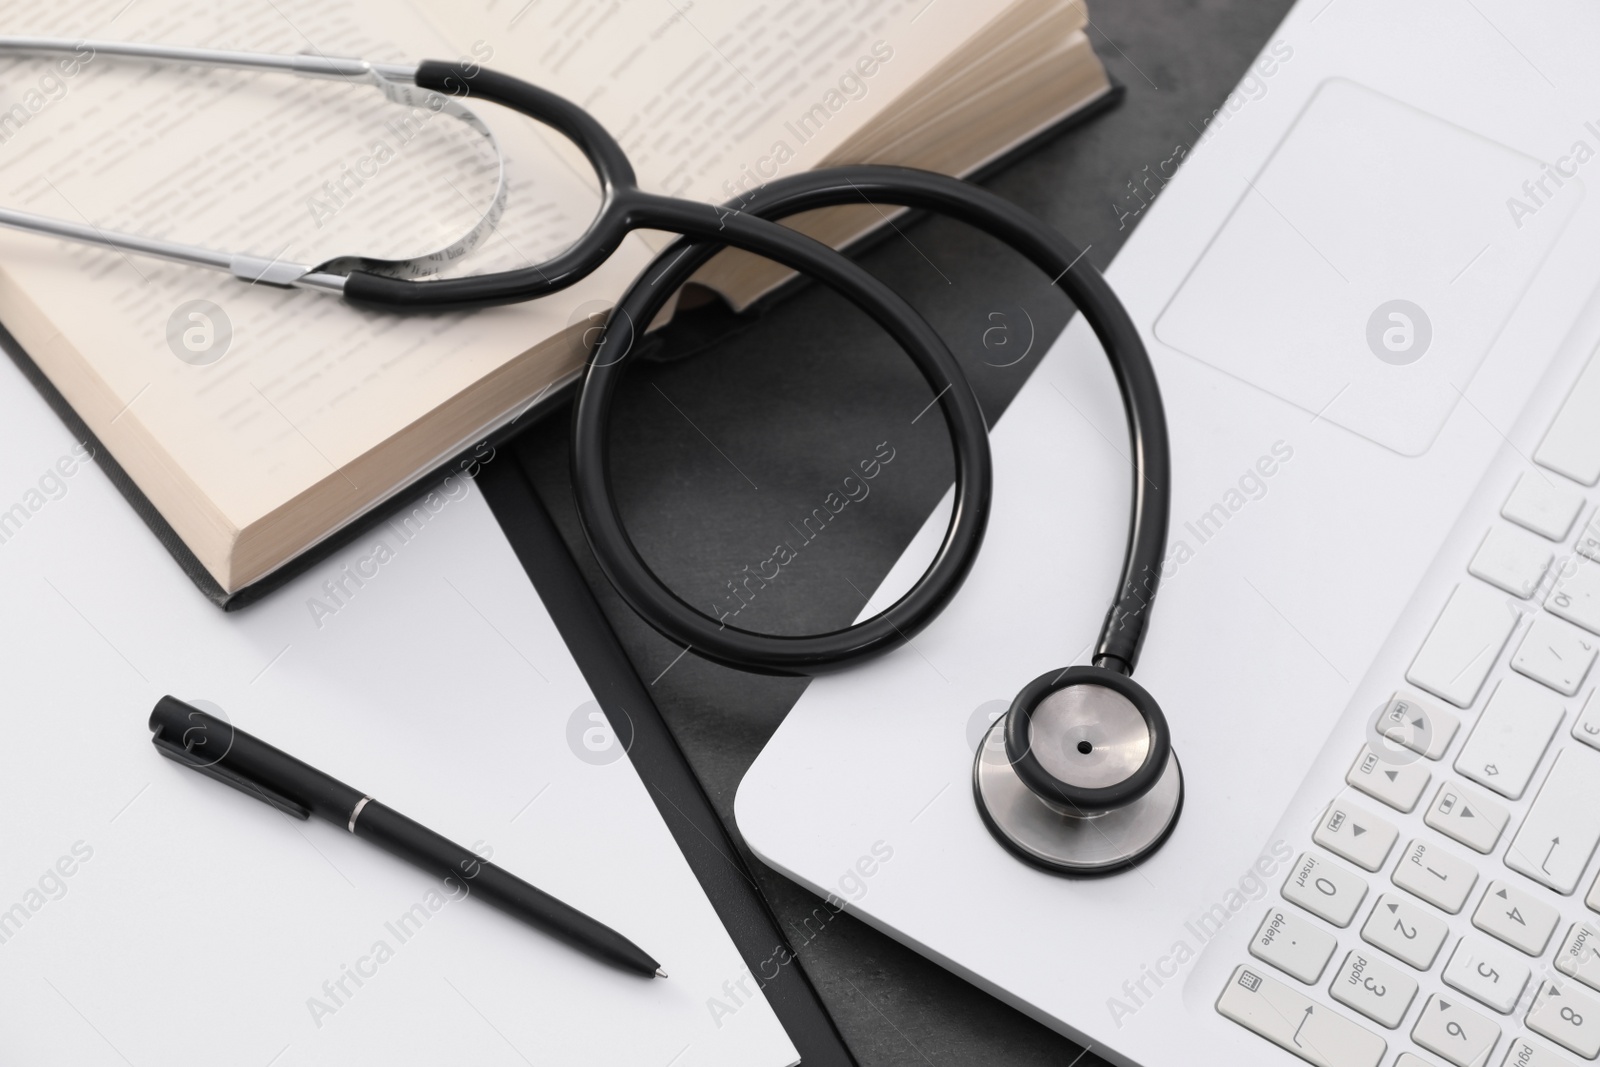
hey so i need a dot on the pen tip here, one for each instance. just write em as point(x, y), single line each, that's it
point(660, 973)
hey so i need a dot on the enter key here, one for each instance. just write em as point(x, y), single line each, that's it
point(1563, 826)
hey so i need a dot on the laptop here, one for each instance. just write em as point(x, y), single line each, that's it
point(1372, 296)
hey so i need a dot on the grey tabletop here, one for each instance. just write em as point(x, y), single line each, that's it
point(718, 451)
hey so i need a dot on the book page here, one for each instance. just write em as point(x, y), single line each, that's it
point(271, 391)
point(712, 97)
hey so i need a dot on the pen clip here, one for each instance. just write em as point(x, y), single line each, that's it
point(178, 754)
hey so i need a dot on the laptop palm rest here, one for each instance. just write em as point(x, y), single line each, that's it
point(1369, 266)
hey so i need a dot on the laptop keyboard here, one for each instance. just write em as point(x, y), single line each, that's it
point(1445, 908)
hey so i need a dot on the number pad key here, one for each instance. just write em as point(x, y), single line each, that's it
point(1380, 992)
point(1436, 876)
point(1523, 1053)
point(1398, 785)
point(1567, 1017)
point(1516, 918)
point(1405, 931)
point(1292, 1021)
point(1355, 834)
point(1467, 817)
point(1456, 1032)
point(1293, 945)
point(1487, 973)
point(1325, 889)
point(1579, 956)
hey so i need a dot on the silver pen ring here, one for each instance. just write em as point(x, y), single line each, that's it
point(355, 812)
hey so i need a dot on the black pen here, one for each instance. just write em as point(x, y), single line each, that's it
point(217, 748)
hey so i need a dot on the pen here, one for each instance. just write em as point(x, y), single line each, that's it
point(217, 748)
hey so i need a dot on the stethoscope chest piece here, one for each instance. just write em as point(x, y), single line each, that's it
point(1079, 775)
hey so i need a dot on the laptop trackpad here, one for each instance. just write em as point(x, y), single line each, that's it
point(1370, 265)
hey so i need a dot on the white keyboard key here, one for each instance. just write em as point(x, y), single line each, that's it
point(1556, 654)
point(1579, 955)
point(1589, 540)
point(1467, 817)
point(1511, 560)
point(1594, 896)
point(1325, 889)
point(1436, 876)
point(1587, 728)
point(1569, 1018)
point(1572, 444)
point(1293, 945)
point(1380, 992)
point(1398, 785)
point(1516, 918)
point(1487, 973)
point(1539, 504)
point(1355, 834)
point(1405, 931)
point(1292, 1021)
point(1463, 644)
point(1408, 1059)
point(1555, 841)
point(1418, 724)
point(1524, 1053)
point(1456, 1032)
point(1511, 735)
point(1576, 596)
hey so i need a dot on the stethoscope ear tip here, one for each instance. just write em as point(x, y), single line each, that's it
point(1079, 776)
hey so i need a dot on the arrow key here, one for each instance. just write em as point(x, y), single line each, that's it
point(1405, 930)
point(1467, 816)
point(1456, 1032)
point(1396, 781)
point(1356, 834)
point(1516, 918)
point(1569, 1018)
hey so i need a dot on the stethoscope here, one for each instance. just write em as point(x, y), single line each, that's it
point(1079, 775)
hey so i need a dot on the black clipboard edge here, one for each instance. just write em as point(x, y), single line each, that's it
point(661, 764)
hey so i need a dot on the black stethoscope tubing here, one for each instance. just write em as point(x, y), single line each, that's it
point(750, 224)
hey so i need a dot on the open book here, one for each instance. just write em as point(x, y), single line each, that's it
point(259, 421)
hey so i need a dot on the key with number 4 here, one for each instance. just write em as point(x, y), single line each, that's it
point(1516, 918)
